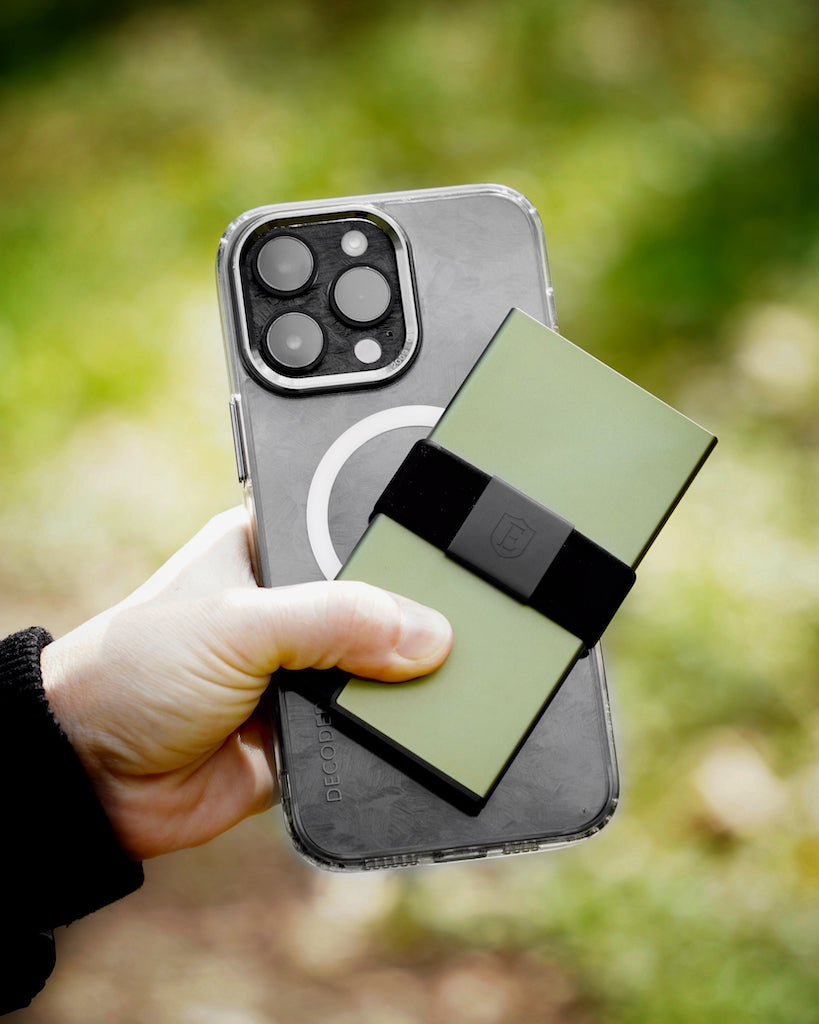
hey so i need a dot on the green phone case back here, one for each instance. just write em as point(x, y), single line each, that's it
point(564, 428)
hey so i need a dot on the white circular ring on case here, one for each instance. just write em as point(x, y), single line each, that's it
point(332, 462)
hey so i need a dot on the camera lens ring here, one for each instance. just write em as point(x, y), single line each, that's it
point(366, 296)
point(294, 343)
point(285, 264)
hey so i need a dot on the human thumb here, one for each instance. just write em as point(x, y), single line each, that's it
point(360, 628)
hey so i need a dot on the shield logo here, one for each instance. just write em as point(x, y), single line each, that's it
point(511, 536)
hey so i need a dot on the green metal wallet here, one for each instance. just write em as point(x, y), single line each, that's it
point(522, 519)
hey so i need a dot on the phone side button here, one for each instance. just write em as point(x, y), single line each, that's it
point(238, 437)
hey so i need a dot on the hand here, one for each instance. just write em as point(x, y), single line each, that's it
point(156, 694)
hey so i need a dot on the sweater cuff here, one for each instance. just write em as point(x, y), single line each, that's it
point(61, 858)
point(28, 959)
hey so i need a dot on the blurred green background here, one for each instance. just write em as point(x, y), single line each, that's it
point(672, 148)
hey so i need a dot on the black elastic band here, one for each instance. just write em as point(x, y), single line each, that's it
point(508, 538)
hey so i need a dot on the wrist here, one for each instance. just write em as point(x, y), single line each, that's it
point(60, 849)
point(70, 677)
point(65, 679)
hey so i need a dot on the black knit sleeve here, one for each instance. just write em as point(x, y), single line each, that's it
point(59, 859)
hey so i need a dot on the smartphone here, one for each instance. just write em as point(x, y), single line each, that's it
point(349, 325)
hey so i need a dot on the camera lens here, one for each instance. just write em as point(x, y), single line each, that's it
point(285, 264)
point(295, 341)
point(361, 295)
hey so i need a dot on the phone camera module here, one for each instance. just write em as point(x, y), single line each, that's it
point(361, 295)
point(295, 342)
point(328, 301)
point(285, 264)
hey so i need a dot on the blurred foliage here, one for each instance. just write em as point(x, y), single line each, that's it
point(672, 149)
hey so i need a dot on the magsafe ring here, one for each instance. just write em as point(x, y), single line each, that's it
point(321, 486)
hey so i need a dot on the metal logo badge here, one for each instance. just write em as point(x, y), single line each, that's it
point(511, 536)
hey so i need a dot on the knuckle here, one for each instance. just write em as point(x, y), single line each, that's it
point(370, 619)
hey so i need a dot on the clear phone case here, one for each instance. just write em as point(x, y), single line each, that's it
point(313, 460)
